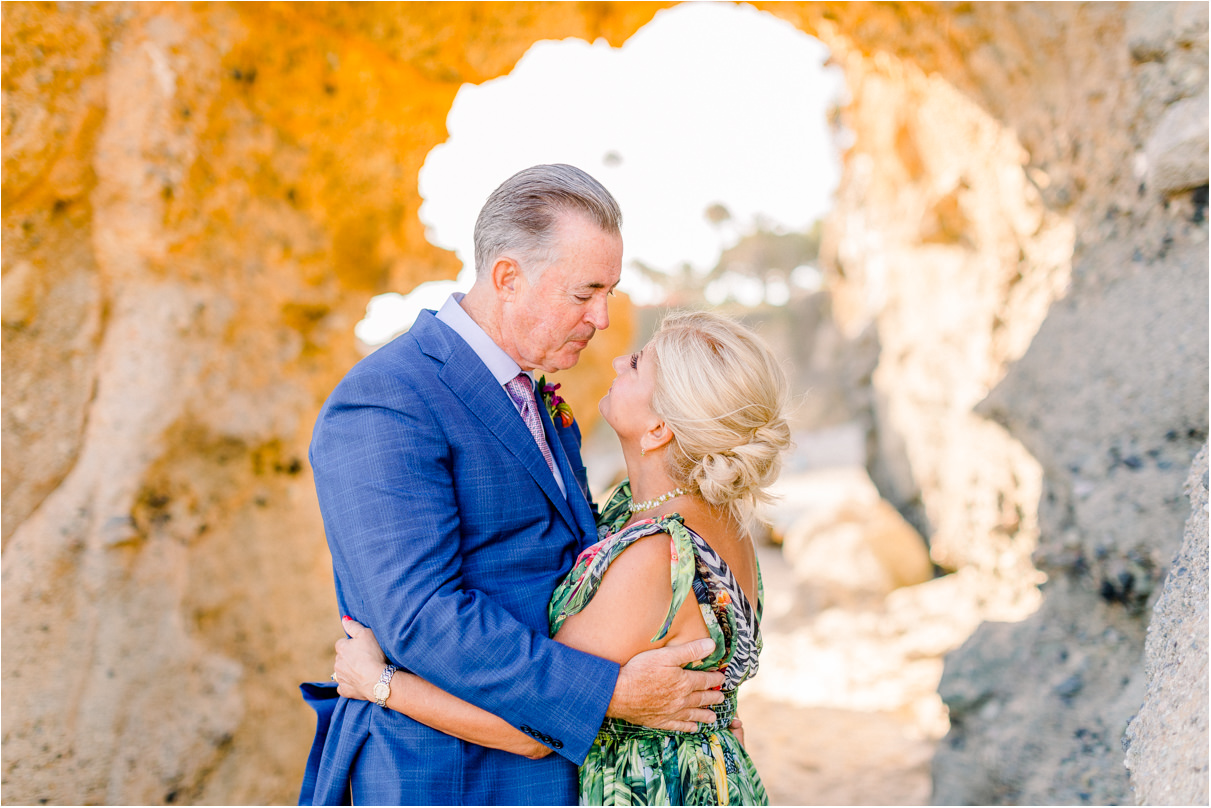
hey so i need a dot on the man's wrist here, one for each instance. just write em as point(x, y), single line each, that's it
point(619, 706)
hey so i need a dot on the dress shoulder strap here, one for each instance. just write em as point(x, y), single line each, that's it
point(681, 562)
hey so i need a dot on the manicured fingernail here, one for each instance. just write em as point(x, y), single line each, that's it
point(346, 617)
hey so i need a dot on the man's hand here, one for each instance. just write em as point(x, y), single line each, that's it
point(654, 691)
point(737, 729)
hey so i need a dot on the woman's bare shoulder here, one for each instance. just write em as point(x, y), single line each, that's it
point(630, 605)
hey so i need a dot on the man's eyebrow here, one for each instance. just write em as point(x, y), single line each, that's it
point(599, 285)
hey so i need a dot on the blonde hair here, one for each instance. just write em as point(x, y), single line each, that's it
point(724, 396)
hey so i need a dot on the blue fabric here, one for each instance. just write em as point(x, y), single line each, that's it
point(448, 535)
point(321, 697)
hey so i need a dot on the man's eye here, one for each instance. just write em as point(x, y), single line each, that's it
point(583, 299)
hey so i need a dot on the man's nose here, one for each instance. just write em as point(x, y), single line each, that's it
point(598, 314)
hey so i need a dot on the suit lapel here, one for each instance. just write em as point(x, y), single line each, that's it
point(468, 378)
point(577, 499)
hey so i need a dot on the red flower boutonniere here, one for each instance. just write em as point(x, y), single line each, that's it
point(559, 410)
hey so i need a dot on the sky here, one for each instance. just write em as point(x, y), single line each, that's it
point(708, 103)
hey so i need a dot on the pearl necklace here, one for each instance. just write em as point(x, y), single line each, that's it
point(639, 507)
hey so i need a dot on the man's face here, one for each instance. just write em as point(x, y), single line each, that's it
point(548, 323)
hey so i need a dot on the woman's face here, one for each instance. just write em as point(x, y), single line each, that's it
point(627, 407)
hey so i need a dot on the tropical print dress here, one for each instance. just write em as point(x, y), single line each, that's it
point(633, 765)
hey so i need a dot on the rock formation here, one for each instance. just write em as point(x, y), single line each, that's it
point(1022, 221)
point(1167, 740)
point(843, 541)
point(198, 200)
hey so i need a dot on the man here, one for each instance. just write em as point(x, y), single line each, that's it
point(453, 505)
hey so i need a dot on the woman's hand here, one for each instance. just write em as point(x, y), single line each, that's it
point(359, 662)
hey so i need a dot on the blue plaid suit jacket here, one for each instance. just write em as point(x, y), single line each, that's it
point(448, 535)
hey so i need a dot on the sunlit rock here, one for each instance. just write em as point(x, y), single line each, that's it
point(198, 201)
point(844, 543)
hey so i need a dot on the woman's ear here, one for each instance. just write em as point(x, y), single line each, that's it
point(657, 436)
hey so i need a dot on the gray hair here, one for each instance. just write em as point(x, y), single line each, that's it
point(521, 214)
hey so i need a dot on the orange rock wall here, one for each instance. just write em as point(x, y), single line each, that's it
point(198, 201)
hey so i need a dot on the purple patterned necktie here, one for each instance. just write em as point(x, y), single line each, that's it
point(521, 390)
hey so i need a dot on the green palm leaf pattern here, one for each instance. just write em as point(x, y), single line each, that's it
point(629, 765)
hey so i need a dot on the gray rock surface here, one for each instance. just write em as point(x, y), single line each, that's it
point(1166, 742)
point(1111, 400)
point(1022, 223)
point(1177, 151)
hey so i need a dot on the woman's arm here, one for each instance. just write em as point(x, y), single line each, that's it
point(631, 604)
point(629, 607)
point(360, 663)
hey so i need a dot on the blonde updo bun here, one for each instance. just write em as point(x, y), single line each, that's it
point(724, 396)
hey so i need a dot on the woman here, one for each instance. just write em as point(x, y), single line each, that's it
point(700, 414)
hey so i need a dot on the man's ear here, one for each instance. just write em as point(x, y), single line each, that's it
point(506, 275)
point(657, 436)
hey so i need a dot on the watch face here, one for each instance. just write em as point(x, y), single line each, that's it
point(382, 691)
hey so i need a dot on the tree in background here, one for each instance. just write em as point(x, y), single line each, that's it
point(764, 266)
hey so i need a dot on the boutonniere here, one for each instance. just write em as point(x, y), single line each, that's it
point(559, 410)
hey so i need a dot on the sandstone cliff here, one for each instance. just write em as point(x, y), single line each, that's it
point(1022, 222)
point(199, 199)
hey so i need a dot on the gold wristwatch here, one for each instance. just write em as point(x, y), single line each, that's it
point(382, 689)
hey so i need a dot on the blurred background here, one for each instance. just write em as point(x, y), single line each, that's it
point(977, 234)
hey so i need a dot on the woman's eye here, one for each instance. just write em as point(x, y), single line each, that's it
point(634, 360)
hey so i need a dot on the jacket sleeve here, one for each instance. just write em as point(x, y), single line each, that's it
point(384, 476)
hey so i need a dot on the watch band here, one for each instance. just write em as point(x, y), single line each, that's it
point(384, 686)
